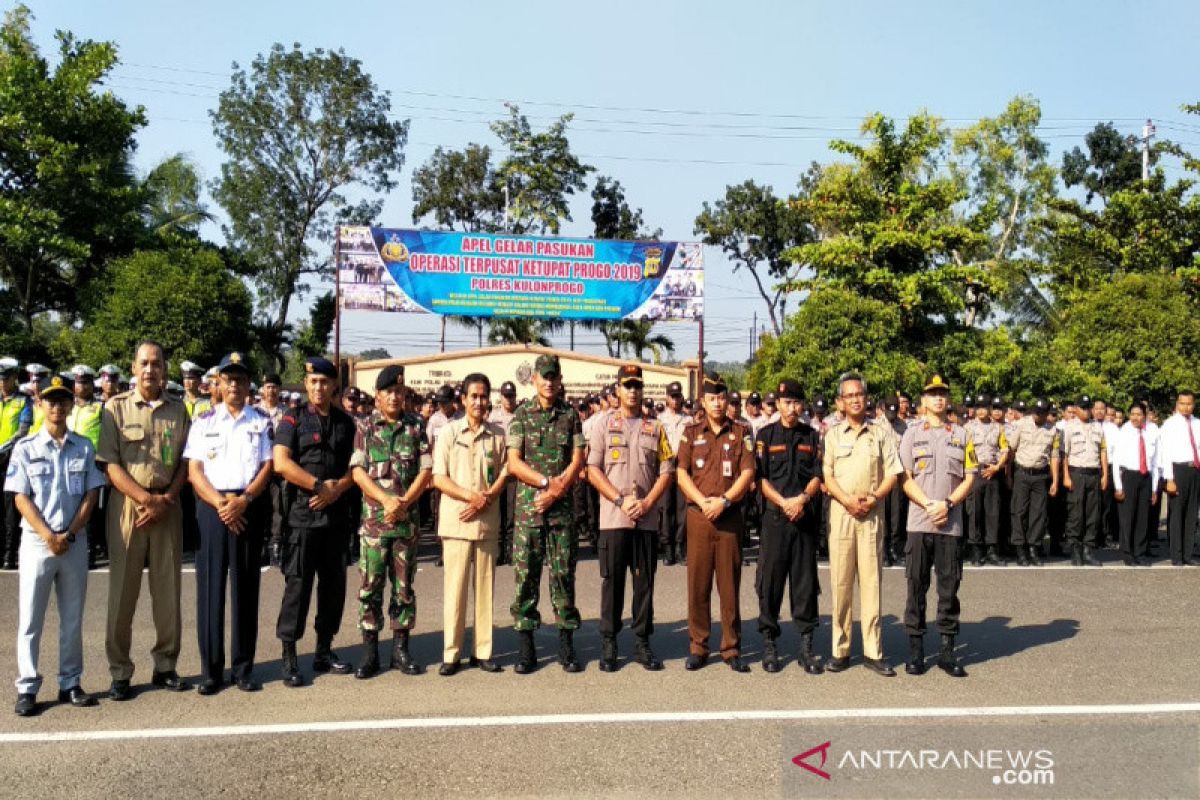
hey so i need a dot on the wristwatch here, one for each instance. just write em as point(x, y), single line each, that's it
point(949, 504)
point(725, 500)
point(545, 484)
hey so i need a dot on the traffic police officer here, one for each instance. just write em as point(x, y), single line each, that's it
point(195, 402)
point(629, 462)
point(16, 417)
point(789, 469)
point(991, 451)
point(939, 467)
point(312, 451)
point(54, 478)
point(392, 465)
point(1035, 445)
point(715, 469)
point(546, 453)
point(229, 464)
point(1085, 477)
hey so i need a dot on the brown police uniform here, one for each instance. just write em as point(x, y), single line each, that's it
point(147, 440)
point(714, 461)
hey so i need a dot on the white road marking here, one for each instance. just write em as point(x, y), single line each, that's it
point(427, 723)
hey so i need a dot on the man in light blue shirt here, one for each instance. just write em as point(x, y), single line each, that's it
point(54, 478)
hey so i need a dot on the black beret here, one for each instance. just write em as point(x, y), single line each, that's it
point(389, 376)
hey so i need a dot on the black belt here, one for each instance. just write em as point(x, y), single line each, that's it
point(1034, 470)
point(1086, 470)
point(1134, 472)
point(230, 491)
point(1184, 465)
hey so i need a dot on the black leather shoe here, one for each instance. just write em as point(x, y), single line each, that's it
point(889, 560)
point(448, 668)
point(170, 681)
point(120, 691)
point(328, 661)
point(249, 685)
point(1035, 558)
point(26, 705)
point(1022, 557)
point(208, 686)
point(76, 696)
point(1076, 556)
point(694, 662)
point(737, 665)
point(487, 665)
point(837, 664)
point(879, 667)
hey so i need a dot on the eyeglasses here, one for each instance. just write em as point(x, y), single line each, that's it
point(853, 395)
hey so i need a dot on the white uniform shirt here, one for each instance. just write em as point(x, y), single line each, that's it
point(231, 449)
point(1176, 444)
point(1125, 450)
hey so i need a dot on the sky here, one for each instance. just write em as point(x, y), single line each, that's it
point(676, 100)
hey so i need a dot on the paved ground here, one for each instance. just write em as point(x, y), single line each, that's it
point(1044, 637)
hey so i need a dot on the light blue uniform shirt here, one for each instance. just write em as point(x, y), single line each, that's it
point(56, 478)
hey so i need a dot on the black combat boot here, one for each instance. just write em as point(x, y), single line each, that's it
point(771, 656)
point(401, 658)
point(566, 651)
point(645, 656)
point(947, 660)
point(993, 556)
point(608, 654)
point(527, 662)
point(916, 656)
point(977, 555)
point(810, 661)
point(291, 667)
point(369, 667)
point(1089, 557)
point(325, 660)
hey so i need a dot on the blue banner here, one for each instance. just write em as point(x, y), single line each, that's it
point(501, 275)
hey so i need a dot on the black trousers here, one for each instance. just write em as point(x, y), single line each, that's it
point(1110, 519)
point(1134, 511)
point(97, 527)
point(943, 554)
point(187, 506)
point(219, 554)
point(672, 524)
point(1181, 512)
point(313, 555)
point(787, 555)
point(508, 503)
point(895, 520)
point(624, 550)
point(1155, 517)
point(984, 527)
point(1030, 492)
point(277, 489)
point(1083, 507)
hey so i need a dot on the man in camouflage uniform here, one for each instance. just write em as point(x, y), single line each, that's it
point(393, 466)
point(545, 453)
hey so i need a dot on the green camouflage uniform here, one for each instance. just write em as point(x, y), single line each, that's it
point(546, 440)
point(393, 455)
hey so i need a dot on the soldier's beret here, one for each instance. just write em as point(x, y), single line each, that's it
point(389, 376)
point(315, 365)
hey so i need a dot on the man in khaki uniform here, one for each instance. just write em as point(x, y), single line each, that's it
point(142, 436)
point(860, 468)
point(629, 462)
point(1085, 477)
point(1035, 445)
point(469, 469)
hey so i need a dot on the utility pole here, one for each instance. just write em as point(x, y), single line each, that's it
point(1148, 132)
point(753, 332)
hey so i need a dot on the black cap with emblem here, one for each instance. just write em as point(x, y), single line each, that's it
point(629, 373)
point(674, 389)
point(714, 383)
point(508, 389)
point(790, 390)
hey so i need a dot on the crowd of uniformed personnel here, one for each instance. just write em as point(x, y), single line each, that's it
point(246, 474)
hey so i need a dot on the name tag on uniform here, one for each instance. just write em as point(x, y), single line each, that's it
point(777, 448)
point(700, 441)
point(804, 448)
point(727, 469)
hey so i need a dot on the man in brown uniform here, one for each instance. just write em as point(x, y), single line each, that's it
point(860, 468)
point(142, 435)
point(715, 469)
point(630, 462)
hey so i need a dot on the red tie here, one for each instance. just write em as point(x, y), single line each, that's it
point(1143, 467)
point(1192, 439)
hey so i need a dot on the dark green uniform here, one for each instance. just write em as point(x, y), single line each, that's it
point(393, 455)
point(546, 439)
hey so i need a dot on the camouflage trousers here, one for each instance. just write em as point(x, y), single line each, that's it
point(532, 546)
point(381, 559)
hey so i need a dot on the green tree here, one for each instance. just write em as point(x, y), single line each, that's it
point(173, 204)
point(312, 337)
point(460, 190)
point(637, 337)
point(540, 173)
point(184, 298)
point(760, 233)
point(300, 129)
point(837, 330)
point(520, 330)
point(68, 197)
point(1112, 163)
point(887, 228)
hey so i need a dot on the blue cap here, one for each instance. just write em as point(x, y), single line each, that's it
point(234, 362)
point(320, 366)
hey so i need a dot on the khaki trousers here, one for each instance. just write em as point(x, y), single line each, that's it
point(468, 563)
point(161, 547)
point(855, 549)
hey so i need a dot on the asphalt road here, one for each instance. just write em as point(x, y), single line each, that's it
point(1046, 638)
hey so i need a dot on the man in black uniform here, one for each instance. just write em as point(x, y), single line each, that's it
point(312, 452)
point(789, 471)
